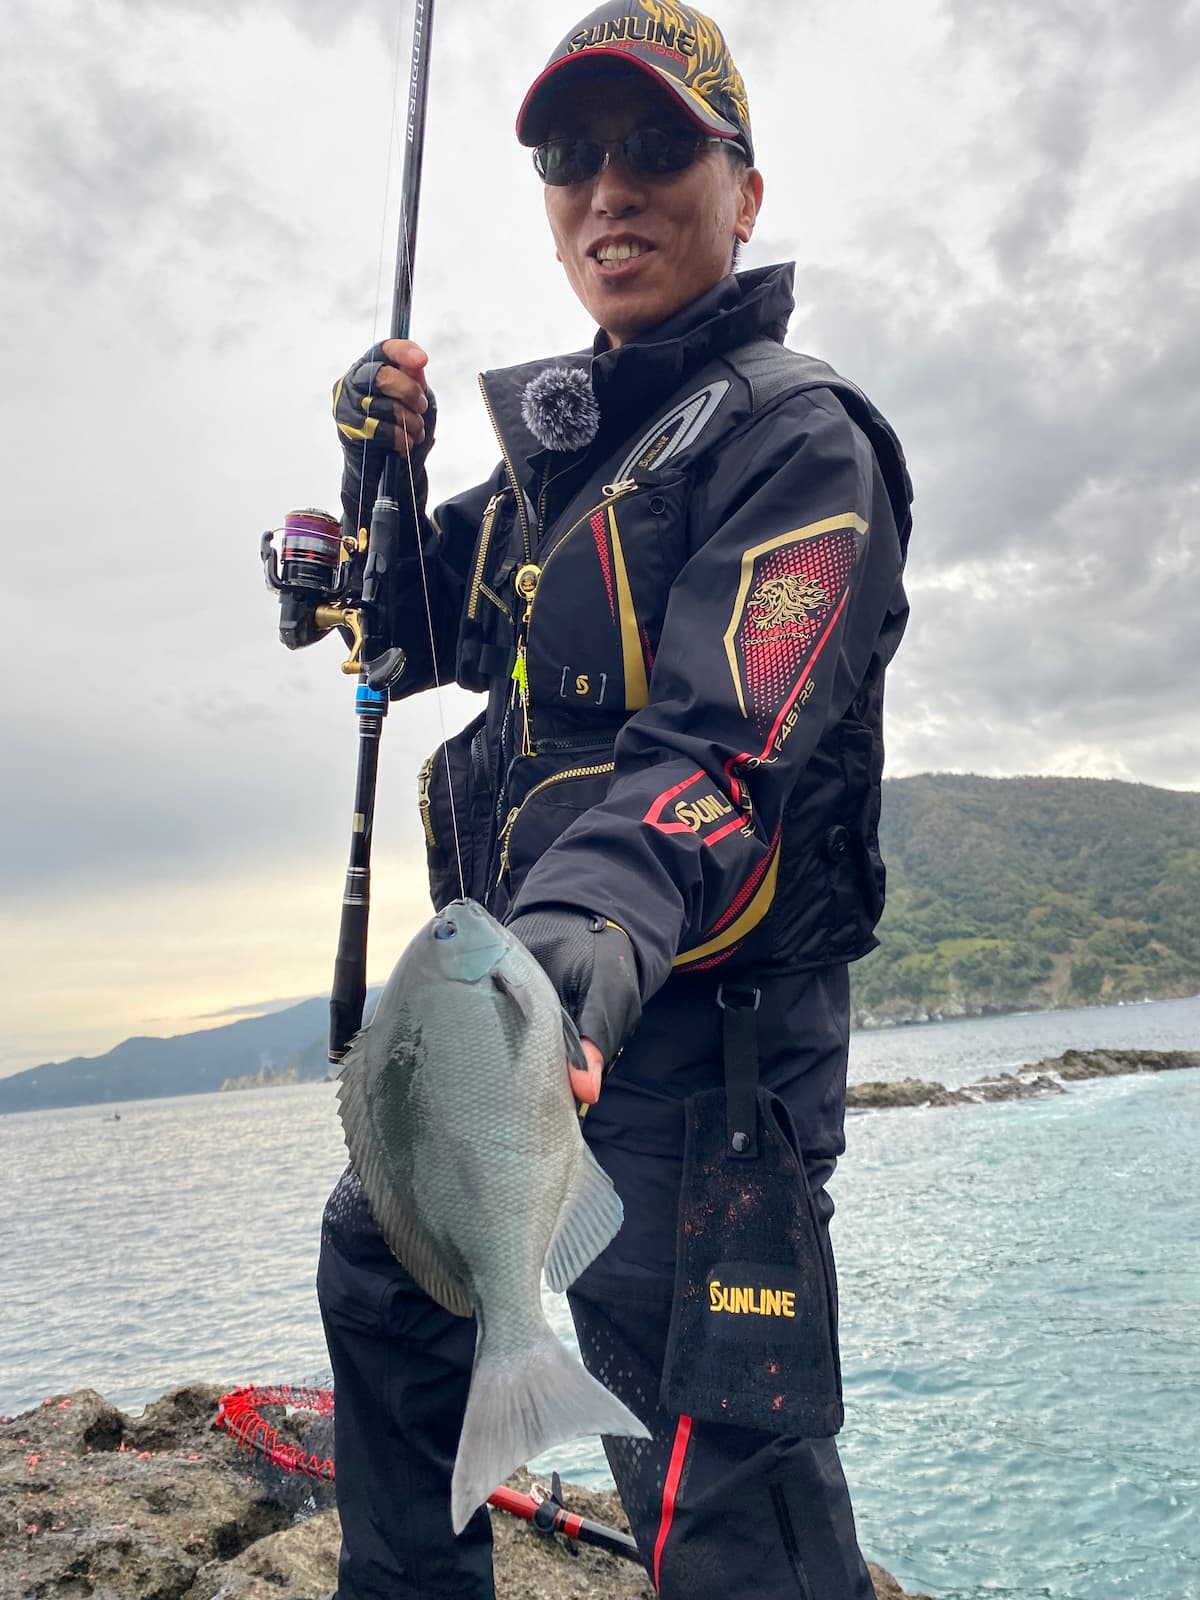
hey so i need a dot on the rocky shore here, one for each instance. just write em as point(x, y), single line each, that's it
point(94, 1503)
point(1029, 1082)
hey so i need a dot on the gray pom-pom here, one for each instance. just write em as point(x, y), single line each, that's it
point(560, 410)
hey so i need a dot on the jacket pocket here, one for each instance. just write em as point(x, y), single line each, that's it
point(454, 791)
point(600, 597)
point(545, 797)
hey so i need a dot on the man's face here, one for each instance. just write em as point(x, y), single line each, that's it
point(681, 227)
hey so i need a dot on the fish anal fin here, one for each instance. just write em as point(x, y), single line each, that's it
point(389, 1193)
point(588, 1221)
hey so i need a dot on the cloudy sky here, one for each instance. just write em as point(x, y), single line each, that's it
point(995, 211)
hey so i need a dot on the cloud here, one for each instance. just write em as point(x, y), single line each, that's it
point(995, 212)
point(1039, 357)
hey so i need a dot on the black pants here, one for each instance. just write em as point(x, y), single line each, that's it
point(718, 1512)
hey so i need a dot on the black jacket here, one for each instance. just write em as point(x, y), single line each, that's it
point(682, 632)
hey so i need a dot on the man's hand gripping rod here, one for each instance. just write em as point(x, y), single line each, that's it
point(327, 581)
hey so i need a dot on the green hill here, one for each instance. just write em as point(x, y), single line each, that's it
point(1018, 893)
point(1004, 894)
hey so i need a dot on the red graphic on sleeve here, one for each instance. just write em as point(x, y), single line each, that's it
point(697, 805)
point(657, 814)
point(796, 595)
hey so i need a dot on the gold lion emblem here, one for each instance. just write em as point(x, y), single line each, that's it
point(785, 602)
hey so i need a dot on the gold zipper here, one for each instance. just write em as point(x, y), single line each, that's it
point(485, 539)
point(546, 783)
point(424, 778)
point(490, 594)
point(530, 572)
point(526, 537)
point(527, 581)
point(612, 491)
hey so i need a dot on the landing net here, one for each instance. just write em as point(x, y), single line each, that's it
point(300, 1445)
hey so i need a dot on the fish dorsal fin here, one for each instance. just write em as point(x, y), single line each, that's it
point(389, 1190)
point(587, 1222)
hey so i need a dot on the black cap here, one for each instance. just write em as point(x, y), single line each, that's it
point(682, 50)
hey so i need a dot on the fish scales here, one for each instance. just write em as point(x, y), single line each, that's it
point(460, 1123)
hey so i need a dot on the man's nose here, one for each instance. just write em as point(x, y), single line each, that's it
point(616, 189)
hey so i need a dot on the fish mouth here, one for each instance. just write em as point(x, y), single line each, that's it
point(471, 942)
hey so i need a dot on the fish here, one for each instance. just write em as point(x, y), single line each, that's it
point(460, 1124)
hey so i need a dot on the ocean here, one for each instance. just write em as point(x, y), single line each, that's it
point(1020, 1293)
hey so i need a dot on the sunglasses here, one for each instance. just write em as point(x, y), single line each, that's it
point(648, 152)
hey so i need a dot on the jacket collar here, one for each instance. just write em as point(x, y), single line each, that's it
point(629, 382)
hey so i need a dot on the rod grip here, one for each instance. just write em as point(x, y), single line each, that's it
point(349, 992)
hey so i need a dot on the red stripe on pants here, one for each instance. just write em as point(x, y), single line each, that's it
point(683, 1433)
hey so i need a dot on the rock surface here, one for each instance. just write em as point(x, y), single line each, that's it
point(1035, 1079)
point(94, 1503)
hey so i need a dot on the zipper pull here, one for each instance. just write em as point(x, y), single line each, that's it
point(504, 837)
point(485, 539)
point(525, 583)
point(623, 486)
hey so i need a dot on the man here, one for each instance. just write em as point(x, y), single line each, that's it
point(679, 590)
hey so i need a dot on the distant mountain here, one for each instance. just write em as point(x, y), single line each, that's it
point(191, 1063)
point(1004, 894)
point(1010, 894)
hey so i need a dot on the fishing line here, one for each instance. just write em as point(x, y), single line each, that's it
point(393, 148)
point(412, 490)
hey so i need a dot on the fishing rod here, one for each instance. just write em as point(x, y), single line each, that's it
point(326, 579)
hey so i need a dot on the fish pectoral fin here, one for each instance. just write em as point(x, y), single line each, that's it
point(587, 1222)
point(516, 991)
point(572, 1044)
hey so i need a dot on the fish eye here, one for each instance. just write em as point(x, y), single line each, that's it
point(445, 930)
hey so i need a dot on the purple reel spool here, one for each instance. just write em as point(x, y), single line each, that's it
point(311, 551)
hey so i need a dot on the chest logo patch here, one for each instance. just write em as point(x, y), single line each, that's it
point(680, 428)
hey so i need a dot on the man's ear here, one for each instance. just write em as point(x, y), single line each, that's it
point(750, 199)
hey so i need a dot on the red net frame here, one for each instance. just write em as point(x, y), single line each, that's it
point(239, 1415)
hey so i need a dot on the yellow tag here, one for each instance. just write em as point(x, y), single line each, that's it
point(519, 675)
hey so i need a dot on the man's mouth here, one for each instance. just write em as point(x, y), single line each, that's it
point(626, 250)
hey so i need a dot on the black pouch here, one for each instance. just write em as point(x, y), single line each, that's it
point(455, 796)
point(753, 1339)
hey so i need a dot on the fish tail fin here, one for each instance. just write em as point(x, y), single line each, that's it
point(517, 1408)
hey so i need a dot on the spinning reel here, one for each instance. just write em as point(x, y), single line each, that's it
point(315, 574)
